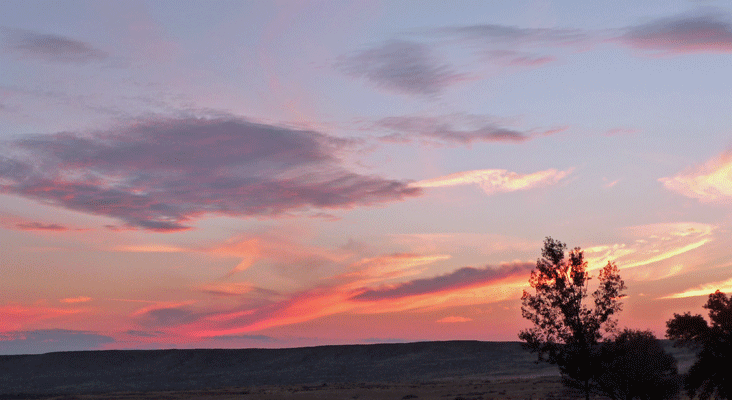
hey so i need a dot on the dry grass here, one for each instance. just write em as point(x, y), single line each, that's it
point(529, 388)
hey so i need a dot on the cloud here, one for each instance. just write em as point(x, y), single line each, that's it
point(461, 278)
point(37, 226)
point(687, 33)
point(517, 36)
point(443, 130)
point(227, 288)
point(262, 338)
point(158, 174)
point(337, 294)
point(710, 183)
point(652, 245)
point(79, 299)
point(151, 248)
point(16, 316)
point(703, 290)
point(280, 247)
point(402, 66)
point(387, 267)
point(49, 340)
point(51, 48)
point(496, 180)
point(453, 319)
point(512, 46)
point(166, 316)
point(144, 334)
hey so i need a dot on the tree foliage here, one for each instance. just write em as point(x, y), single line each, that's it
point(711, 374)
point(634, 365)
point(566, 331)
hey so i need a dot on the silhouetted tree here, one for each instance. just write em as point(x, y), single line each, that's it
point(711, 374)
point(634, 365)
point(566, 332)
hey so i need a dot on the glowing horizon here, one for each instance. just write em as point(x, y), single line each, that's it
point(282, 174)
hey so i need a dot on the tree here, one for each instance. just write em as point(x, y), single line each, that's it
point(567, 332)
point(711, 374)
point(634, 365)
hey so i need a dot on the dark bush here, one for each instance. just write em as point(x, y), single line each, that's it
point(635, 365)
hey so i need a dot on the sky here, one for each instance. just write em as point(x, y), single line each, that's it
point(279, 174)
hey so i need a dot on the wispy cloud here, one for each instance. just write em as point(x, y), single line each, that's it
point(454, 129)
point(461, 278)
point(453, 319)
point(687, 33)
point(277, 247)
point(368, 288)
point(79, 299)
point(16, 316)
point(653, 245)
point(402, 66)
point(51, 48)
point(158, 174)
point(496, 180)
point(226, 288)
point(38, 226)
point(517, 36)
point(703, 290)
point(711, 182)
point(151, 248)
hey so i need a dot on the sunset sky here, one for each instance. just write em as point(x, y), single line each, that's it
point(278, 174)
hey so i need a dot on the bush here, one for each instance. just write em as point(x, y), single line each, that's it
point(635, 366)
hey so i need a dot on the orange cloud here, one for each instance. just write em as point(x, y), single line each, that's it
point(454, 319)
point(387, 267)
point(15, 317)
point(703, 290)
point(496, 180)
point(80, 299)
point(151, 248)
point(226, 288)
point(652, 243)
point(345, 293)
point(711, 182)
point(275, 247)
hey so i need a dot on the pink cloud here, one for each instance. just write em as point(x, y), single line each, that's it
point(15, 316)
point(496, 180)
point(459, 279)
point(51, 48)
point(159, 174)
point(708, 33)
point(453, 319)
point(454, 129)
point(711, 182)
point(73, 300)
point(351, 293)
point(37, 226)
point(403, 66)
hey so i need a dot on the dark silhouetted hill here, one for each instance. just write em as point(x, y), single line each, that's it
point(151, 370)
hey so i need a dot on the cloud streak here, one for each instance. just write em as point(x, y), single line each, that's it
point(443, 130)
point(158, 174)
point(686, 33)
point(402, 66)
point(703, 290)
point(710, 183)
point(37, 226)
point(459, 279)
point(496, 180)
point(51, 48)
point(354, 293)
